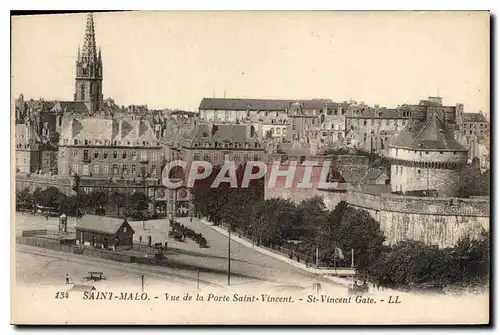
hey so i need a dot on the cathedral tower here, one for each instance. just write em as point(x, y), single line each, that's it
point(88, 81)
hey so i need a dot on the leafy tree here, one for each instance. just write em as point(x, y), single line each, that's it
point(359, 231)
point(138, 201)
point(119, 200)
point(273, 220)
point(98, 199)
point(326, 234)
point(311, 214)
point(51, 197)
point(24, 197)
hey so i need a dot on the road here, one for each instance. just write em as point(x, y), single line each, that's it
point(186, 261)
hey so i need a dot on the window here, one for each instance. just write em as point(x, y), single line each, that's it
point(96, 168)
point(75, 167)
point(154, 157)
point(115, 168)
point(105, 168)
point(124, 168)
point(206, 157)
point(75, 153)
point(96, 154)
point(115, 154)
point(364, 123)
point(440, 152)
point(144, 155)
point(133, 168)
point(105, 155)
point(153, 170)
point(124, 229)
point(255, 157)
point(75, 142)
point(124, 154)
point(419, 171)
point(215, 157)
point(236, 157)
point(85, 154)
point(278, 131)
point(134, 155)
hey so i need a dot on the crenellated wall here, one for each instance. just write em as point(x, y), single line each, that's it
point(439, 221)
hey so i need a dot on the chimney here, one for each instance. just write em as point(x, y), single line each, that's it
point(120, 128)
point(138, 127)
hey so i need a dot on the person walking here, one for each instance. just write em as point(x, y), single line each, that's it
point(67, 278)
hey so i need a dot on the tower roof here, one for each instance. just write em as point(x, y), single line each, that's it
point(429, 135)
point(89, 46)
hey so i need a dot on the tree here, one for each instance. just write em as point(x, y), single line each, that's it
point(24, 198)
point(311, 214)
point(139, 201)
point(272, 221)
point(118, 200)
point(51, 197)
point(98, 199)
point(359, 231)
point(327, 232)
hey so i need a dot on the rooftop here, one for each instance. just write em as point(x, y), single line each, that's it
point(100, 224)
point(97, 130)
point(474, 117)
point(429, 135)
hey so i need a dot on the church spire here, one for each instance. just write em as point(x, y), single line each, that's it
point(89, 46)
point(88, 81)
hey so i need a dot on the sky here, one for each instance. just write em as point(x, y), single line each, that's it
point(174, 59)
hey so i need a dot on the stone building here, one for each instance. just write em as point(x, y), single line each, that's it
point(426, 157)
point(236, 110)
point(27, 147)
point(475, 124)
point(370, 128)
point(318, 119)
point(109, 148)
point(218, 143)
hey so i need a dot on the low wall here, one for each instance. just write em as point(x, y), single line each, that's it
point(34, 232)
point(40, 242)
point(420, 205)
point(144, 248)
point(296, 195)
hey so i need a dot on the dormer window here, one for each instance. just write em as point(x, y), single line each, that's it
point(75, 142)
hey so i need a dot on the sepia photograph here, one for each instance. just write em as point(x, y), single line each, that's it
point(250, 168)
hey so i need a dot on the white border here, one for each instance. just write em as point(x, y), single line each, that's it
point(492, 5)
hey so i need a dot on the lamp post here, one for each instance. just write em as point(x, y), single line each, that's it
point(229, 255)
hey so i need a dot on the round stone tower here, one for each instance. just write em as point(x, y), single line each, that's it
point(426, 159)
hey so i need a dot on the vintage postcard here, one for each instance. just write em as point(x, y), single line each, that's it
point(251, 168)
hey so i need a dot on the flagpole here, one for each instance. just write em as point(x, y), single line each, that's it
point(317, 257)
point(352, 258)
point(335, 259)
